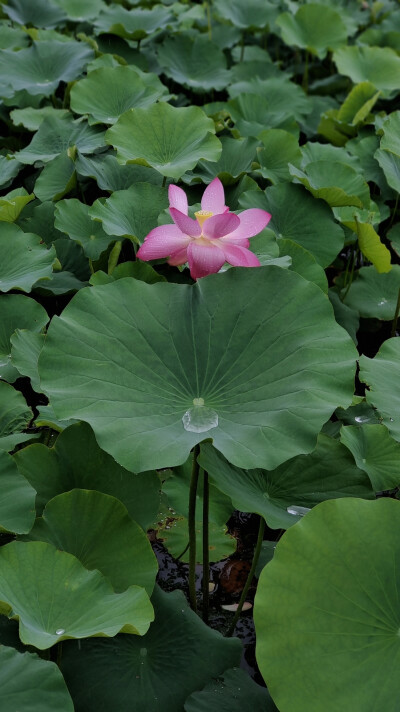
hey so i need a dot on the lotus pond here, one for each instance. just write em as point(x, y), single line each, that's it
point(199, 356)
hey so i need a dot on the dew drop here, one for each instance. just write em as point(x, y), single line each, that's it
point(362, 419)
point(199, 418)
point(60, 631)
point(382, 302)
point(391, 420)
point(299, 511)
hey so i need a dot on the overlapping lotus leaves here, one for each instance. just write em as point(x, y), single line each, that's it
point(25, 350)
point(97, 529)
point(345, 315)
point(40, 68)
point(28, 682)
point(17, 312)
point(176, 539)
point(15, 416)
point(77, 11)
point(43, 13)
point(328, 472)
point(132, 212)
point(252, 14)
point(13, 203)
point(251, 114)
point(9, 169)
point(54, 597)
point(280, 149)
point(59, 469)
point(110, 91)
point(56, 179)
point(309, 222)
point(380, 374)
point(375, 452)
point(181, 371)
point(132, 24)
point(137, 270)
point(198, 64)
point(56, 135)
point(304, 28)
point(374, 295)
point(326, 609)
point(337, 183)
point(304, 263)
point(72, 217)
point(23, 259)
point(111, 175)
point(17, 498)
point(235, 160)
point(284, 98)
point(31, 118)
point(12, 37)
point(233, 691)
point(378, 65)
point(114, 672)
point(168, 139)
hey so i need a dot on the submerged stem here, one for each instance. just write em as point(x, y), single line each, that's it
point(249, 579)
point(192, 528)
point(206, 560)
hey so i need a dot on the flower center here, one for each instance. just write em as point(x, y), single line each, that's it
point(202, 215)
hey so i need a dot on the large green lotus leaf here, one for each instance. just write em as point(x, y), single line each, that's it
point(327, 610)
point(98, 530)
point(169, 139)
point(252, 14)
point(380, 374)
point(175, 537)
point(17, 312)
point(23, 259)
point(12, 37)
point(309, 222)
point(328, 472)
point(282, 95)
point(280, 149)
point(31, 118)
point(378, 65)
point(374, 295)
point(131, 212)
point(76, 461)
point(375, 452)
point(56, 179)
point(15, 416)
point(132, 24)
point(55, 597)
point(199, 359)
point(179, 655)
point(111, 176)
point(41, 13)
point(234, 691)
point(25, 350)
point(251, 114)
point(13, 203)
point(337, 183)
point(17, 498)
point(304, 263)
point(197, 64)
point(39, 69)
point(236, 159)
point(108, 92)
point(9, 169)
point(77, 11)
point(72, 217)
point(31, 684)
point(304, 28)
point(56, 135)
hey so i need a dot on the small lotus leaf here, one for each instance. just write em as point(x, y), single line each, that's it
point(17, 312)
point(375, 452)
point(56, 135)
point(380, 373)
point(304, 28)
point(198, 64)
point(234, 691)
point(378, 65)
point(374, 295)
point(17, 498)
point(23, 259)
point(15, 416)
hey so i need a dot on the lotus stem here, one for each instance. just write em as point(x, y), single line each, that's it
point(114, 256)
point(396, 316)
point(192, 528)
point(206, 560)
point(249, 579)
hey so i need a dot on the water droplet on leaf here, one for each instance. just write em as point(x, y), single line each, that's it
point(362, 419)
point(60, 631)
point(200, 418)
point(299, 511)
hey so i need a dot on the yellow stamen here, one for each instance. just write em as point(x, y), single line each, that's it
point(202, 215)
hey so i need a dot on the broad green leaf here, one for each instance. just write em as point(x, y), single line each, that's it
point(77, 11)
point(380, 374)
point(305, 29)
point(40, 68)
point(198, 386)
point(72, 217)
point(283, 97)
point(325, 624)
point(236, 159)
point(197, 64)
point(12, 37)
point(31, 118)
point(54, 597)
point(390, 140)
point(98, 530)
point(111, 176)
point(374, 295)
point(364, 149)
point(390, 165)
point(378, 65)
point(336, 183)
point(17, 498)
point(59, 469)
point(136, 270)
point(309, 222)
point(345, 315)
point(132, 212)
point(27, 682)
point(328, 472)
point(280, 149)
point(178, 655)
point(23, 259)
point(250, 15)
point(304, 263)
point(108, 92)
point(39, 219)
point(234, 691)
point(375, 452)
point(56, 179)
point(169, 139)
point(25, 349)
point(251, 115)
point(17, 312)
point(13, 203)
point(15, 416)
point(358, 103)
point(60, 283)
point(9, 168)
point(44, 13)
point(56, 135)
point(175, 538)
point(372, 247)
point(132, 24)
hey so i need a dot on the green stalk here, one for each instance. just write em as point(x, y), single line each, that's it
point(114, 256)
point(249, 579)
point(192, 528)
point(396, 316)
point(206, 560)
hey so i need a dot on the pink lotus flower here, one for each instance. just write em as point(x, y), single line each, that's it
point(215, 237)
